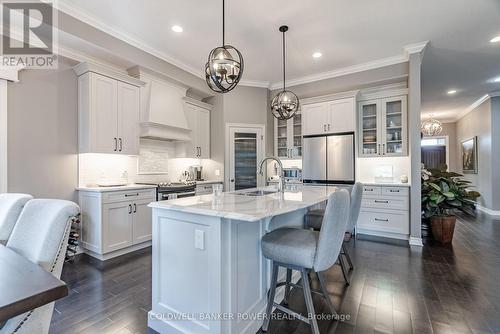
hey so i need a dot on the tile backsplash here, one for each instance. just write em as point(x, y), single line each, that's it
point(155, 163)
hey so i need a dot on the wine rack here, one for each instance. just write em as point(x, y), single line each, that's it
point(74, 239)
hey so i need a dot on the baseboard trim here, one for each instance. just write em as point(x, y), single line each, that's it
point(117, 253)
point(488, 211)
point(416, 242)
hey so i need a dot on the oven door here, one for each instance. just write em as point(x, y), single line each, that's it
point(167, 196)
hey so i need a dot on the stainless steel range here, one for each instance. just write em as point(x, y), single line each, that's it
point(173, 190)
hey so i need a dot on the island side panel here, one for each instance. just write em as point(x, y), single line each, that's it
point(186, 273)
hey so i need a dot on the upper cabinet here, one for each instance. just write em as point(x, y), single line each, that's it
point(383, 127)
point(288, 137)
point(198, 120)
point(335, 116)
point(108, 112)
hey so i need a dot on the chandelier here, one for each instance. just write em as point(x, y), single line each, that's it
point(431, 127)
point(224, 68)
point(285, 104)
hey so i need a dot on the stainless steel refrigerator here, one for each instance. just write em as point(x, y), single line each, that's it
point(329, 159)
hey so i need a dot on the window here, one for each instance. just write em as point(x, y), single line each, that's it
point(434, 142)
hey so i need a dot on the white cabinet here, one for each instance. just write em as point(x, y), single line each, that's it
point(385, 212)
point(115, 222)
point(288, 137)
point(383, 127)
point(205, 189)
point(108, 113)
point(335, 116)
point(198, 119)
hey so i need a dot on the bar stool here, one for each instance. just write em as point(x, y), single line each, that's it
point(306, 250)
point(313, 219)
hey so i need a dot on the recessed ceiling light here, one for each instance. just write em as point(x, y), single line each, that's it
point(317, 55)
point(495, 39)
point(177, 29)
point(451, 92)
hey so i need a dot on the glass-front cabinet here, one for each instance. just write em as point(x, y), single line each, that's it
point(288, 137)
point(383, 127)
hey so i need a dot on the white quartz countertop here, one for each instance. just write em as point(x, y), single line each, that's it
point(236, 205)
point(119, 188)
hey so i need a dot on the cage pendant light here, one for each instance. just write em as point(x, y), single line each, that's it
point(431, 127)
point(224, 68)
point(285, 104)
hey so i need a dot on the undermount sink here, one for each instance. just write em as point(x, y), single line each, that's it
point(258, 193)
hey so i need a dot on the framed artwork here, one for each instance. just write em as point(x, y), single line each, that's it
point(469, 156)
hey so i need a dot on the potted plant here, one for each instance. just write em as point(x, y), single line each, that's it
point(443, 193)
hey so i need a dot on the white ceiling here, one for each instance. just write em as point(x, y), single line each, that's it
point(348, 33)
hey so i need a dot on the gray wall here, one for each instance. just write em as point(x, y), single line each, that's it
point(478, 123)
point(495, 153)
point(42, 137)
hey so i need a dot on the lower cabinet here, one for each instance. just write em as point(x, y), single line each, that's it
point(385, 212)
point(115, 223)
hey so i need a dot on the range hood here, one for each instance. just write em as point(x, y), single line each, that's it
point(162, 109)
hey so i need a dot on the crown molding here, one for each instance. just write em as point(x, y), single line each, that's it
point(256, 83)
point(415, 48)
point(473, 106)
point(342, 71)
point(65, 7)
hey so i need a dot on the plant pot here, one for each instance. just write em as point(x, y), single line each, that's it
point(443, 228)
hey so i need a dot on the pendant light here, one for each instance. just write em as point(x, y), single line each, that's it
point(285, 104)
point(431, 127)
point(224, 68)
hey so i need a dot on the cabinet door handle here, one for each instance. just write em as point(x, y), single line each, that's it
point(383, 149)
point(121, 144)
point(131, 195)
point(329, 127)
point(199, 147)
point(324, 127)
point(377, 201)
point(129, 208)
point(378, 149)
point(135, 208)
point(381, 220)
point(116, 144)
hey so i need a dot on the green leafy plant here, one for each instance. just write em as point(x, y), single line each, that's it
point(445, 192)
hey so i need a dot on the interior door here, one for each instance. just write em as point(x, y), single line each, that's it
point(104, 114)
point(246, 151)
point(314, 159)
point(128, 118)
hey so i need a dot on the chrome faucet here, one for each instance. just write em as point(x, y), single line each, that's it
point(281, 184)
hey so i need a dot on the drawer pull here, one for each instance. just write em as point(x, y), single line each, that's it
point(368, 189)
point(394, 191)
point(378, 201)
point(131, 195)
point(381, 220)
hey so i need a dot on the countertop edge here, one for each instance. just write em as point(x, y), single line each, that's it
point(119, 188)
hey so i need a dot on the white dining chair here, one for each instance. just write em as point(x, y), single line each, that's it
point(41, 235)
point(11, 206)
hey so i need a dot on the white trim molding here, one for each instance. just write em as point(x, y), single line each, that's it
point(6, 74)
point(476, 104)
point(489, 212)
point(415, 242)
point(3, 135)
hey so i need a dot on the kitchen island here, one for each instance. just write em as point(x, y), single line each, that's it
point(209, 275)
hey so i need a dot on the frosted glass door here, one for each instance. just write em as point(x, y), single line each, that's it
point(369, 119)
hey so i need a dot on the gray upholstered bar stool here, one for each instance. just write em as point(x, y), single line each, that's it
point(313, 219)
point(305, 250)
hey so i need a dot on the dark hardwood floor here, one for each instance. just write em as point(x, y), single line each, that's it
point(394, 289)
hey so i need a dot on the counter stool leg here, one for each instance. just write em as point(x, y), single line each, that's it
point(347, 257)
point(322, 282)
point(287, 285)
point(309, 302)
point(270, 302)
point(344, 271)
